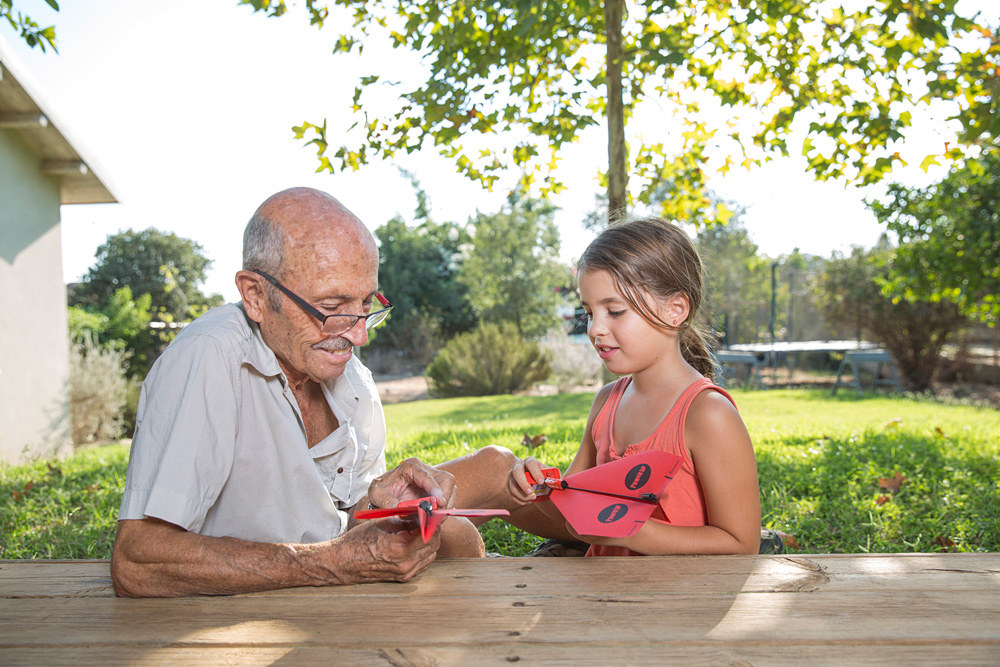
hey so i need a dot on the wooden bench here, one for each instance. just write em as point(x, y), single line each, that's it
point(737, 361)
point(792, 609)
point(852, 362)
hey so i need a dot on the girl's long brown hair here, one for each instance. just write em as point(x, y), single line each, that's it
point(655, 257)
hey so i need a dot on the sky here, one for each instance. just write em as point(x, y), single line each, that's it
point(188, 105)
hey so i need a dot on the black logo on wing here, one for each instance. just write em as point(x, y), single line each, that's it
point(612, 513)
point(638, 476)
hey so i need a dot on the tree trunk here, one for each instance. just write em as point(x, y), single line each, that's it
point(617, 167)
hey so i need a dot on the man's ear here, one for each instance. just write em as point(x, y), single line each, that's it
point(253, 291)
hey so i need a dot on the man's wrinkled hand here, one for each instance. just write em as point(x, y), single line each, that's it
point(412, 479)
point(386, 549)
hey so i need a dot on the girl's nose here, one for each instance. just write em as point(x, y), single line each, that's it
point(596, 326)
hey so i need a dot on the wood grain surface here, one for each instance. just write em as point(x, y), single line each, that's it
point(875, 609)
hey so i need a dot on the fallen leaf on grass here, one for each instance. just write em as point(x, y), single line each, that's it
point(946, 543)
point(882, 500)
point(19, 495)
point(534, 442)
point(894, 483)
point(789, 540)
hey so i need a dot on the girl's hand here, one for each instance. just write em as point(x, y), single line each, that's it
point(595, 539)
point(517, 482)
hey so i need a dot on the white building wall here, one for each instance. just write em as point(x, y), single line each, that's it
point(34, 351)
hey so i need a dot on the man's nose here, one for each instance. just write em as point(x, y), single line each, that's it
point(358, 334)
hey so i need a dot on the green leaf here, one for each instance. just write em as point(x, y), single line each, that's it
point(929, 161)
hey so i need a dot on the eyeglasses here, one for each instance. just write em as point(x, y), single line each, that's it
point(335, 324)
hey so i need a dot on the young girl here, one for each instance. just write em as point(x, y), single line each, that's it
point(641, 286)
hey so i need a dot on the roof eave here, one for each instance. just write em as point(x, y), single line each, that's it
point(24, 110)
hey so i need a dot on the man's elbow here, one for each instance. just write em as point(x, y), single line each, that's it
point(121, 577)
point(130, 577)
point(126, 576)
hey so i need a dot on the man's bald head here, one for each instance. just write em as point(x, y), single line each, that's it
point(290, 220)
point(303, 226)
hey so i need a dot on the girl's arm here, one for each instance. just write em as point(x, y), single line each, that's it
point(586, 457)
point(723, 458)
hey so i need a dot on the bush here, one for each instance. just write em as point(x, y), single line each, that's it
point(131, 410)
point(487, 361)
point(573, 364)
point(97, 391)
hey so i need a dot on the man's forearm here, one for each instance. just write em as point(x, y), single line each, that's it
point(157, 559)
point(153, 558)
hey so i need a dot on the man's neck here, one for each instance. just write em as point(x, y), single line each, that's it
point(297, 381)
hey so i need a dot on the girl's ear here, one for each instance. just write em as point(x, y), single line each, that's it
point(676, 309)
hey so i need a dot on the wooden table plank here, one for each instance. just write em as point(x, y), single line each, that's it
point(675, 575)
point(877, 654)
point(829, 609)
point(55, 578)
point(276, 620)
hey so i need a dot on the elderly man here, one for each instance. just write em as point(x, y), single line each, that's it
point(259, 432)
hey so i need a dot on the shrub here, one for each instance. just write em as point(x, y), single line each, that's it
point(573, 364)
point(486, 361)
point(129, 414)
point(97, 390)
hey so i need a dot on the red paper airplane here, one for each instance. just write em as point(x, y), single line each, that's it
point(428, 514)
point(613, 499)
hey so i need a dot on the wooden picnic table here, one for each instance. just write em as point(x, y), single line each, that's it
point(878, 609)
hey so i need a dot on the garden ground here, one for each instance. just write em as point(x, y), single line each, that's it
point(406, 388)
point(403, 388)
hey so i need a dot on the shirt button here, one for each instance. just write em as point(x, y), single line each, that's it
point(340, 471)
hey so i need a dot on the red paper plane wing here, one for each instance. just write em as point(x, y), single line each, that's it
point(425, 509)
point(644, 473)
point(615, 499)
point(592, 514)
point(454, 512)
point(361, 515)
point(430, 521)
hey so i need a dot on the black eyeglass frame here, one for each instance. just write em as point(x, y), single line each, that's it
point(371, 320)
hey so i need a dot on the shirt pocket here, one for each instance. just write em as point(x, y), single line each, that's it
point(336, 460)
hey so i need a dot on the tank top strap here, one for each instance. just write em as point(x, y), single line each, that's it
point(673, 426)
point(605, 420)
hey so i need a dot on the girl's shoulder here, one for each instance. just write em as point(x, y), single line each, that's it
point(712, 398)
point(713, 415)
point(712, 402)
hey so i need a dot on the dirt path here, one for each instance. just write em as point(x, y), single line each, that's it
point(402, 390)
point(414, 388)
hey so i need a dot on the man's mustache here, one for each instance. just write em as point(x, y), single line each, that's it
point(334, 345)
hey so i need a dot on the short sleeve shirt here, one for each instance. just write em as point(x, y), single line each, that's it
point(220, 447)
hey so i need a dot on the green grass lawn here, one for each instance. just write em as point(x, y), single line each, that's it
point(820, 461)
